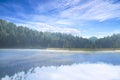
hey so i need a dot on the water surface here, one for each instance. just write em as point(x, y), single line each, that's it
point(16, 60)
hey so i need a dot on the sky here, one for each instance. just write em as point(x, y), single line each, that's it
point(84, 18)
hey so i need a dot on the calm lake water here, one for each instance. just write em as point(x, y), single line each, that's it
point(16, 60)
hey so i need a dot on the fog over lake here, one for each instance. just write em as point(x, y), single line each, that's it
point(36, 64)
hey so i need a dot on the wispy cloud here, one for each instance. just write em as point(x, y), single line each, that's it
point(61, 15)
point(69, 12)
point(93, 10)
point(55, 5)
point(72, 9)
point(70, 72)
point(48, 28)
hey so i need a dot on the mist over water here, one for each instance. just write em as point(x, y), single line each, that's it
point(84, 71)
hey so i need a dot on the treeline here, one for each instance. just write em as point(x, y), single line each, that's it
point(12, 36)
point(108, 42)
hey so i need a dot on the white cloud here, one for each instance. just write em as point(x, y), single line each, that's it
point(64, 22)
point(84, 71)
point(48, 28)
point(103, 34)
point(73, 9)
point(93, 10)
point(36, 24)
point(69, 16)
point(55, 5)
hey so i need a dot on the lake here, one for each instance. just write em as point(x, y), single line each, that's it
point(40, 64)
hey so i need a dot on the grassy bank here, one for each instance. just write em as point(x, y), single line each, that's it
point(85, 49)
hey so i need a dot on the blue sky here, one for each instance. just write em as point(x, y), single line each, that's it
point(85, 18)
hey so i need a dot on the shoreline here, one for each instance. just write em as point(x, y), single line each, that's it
point(85, 49)
point(69, 49)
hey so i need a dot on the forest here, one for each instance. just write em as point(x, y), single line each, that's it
point(12, 36)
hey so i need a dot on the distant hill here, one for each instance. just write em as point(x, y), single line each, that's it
point(12, 36)
point(93, 39)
